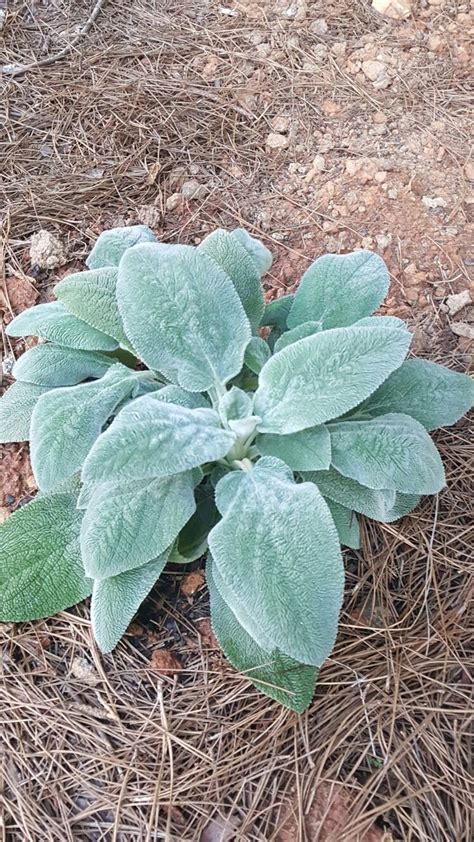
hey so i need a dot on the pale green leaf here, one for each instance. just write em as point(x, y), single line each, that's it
point(54, 322)
point(91, 296)
point(233, 258)
point(346, 523)
point(54, 365)
point(323, 376)
point(307, 450)
point(182, 314)
point(276, 312)
point(256, 354)
point(246, 619)
point(151, 438)
point(277, 550)
point(259, 253)
point(116, 600)
point(41, 571)
point(66, 422)
point(128, 525)
point(234, 404)
point(191, 543)
point(381, 321)
point(111, 245)
point(296, 333)
point(16, 409)
point(339, 289)
point(384, 505)
point(430, 393)
point(180, 397)
point(392, 451)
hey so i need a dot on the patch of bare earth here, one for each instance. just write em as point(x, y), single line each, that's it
point(319, 126)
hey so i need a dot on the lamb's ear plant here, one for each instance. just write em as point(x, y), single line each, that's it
point(171, 414)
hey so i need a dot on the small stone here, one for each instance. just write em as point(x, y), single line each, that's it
point(469, 170)
point(84, 671)
point(318, 164)
point(339, 49)
point(383, 241)
point(457, 302)
point(379, 118)
point(174, 201)
point(279, 236)
point(276, 141)
point(395, 9)
point(392, 193)
point(380, 176)
point(149, 215)
point(319, 26)
point(280, 124)
point(330, 108)
point(192, 190)
point(376, 71)
point(46, 250)
point(4, 512)
point(192, 582)
point(434, 202)
point(435, 43)
point(463, 329)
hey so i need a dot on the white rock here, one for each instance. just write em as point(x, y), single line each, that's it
point(319, 26)
point(396, 9)
point(383, 241)
point(456, 302)
point(276, 141)
point(280, 123)
point(376, 71)
point(46, 250)
point(174, 201)
point(193, 190)
point(462, 329)
point(434, 202)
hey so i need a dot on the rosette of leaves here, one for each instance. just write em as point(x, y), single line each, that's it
point(170, 414)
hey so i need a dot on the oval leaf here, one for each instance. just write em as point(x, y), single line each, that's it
point(339, 289)
point(112, 245)
point(41, 570)
point(273, 673)
point(150, 438)
point(346, 523)
point(392, 451)
point(296, 333)
point(182, 314)
point(53, 322)
point(259, 253)
point(91, 296)
point(53, 365)
point(276, 312)
point(277, 550)
point(115, 601)
point(130, 524)
point(308, 450)
point(257, 353)
point(385, 506)
point(16, 409)
point(323, 376)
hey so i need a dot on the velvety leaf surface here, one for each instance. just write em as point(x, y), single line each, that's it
point(430, 393)
point(53, 365)
point(276, 312)
point(111, 245)
point(128, 525)
point(182, 314)
point(385, 506)
point(91, 296)
point(391, 451)
point(257, 353)
point(277, 550)
point(339, 289)
point(53, 322)
point(259, 253)
point(347, 524)
point(16, 409)
point(307, 450)
point(115, 601)
point(296, 333)
point(180, 397)
point(275, 674)
point(322, 376)
point(381, 321)
point(41, 571)
point(236, 262)
point(191, 543)
point(150, 438)
point(66, 422)
point(235, 404)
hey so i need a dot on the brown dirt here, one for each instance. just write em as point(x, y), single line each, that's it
point(372, 119)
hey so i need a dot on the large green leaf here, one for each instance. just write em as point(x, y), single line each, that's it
point(339, 289)
point(182, 314)
point(430, 393)
point(257, 353)
point(381, 321)
point(91, 296)
point(111, 245)
point(323, 376)
point(66, 422)
point(296, 333)
point(346, 523)
point(115, 601)
point(180, 397)
point(41, 571)
point(392, 451)
point(53, 322)
point(384, 505)
point(151, 438)
point(277, 550)
point(236, 262)
point(259, 253)
point(16, 409)
point(234, 405)
point(191, 543)
point(128, 525)
point(275, 674)
point(307, 450)
point(276, 312)
point(54, 365)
